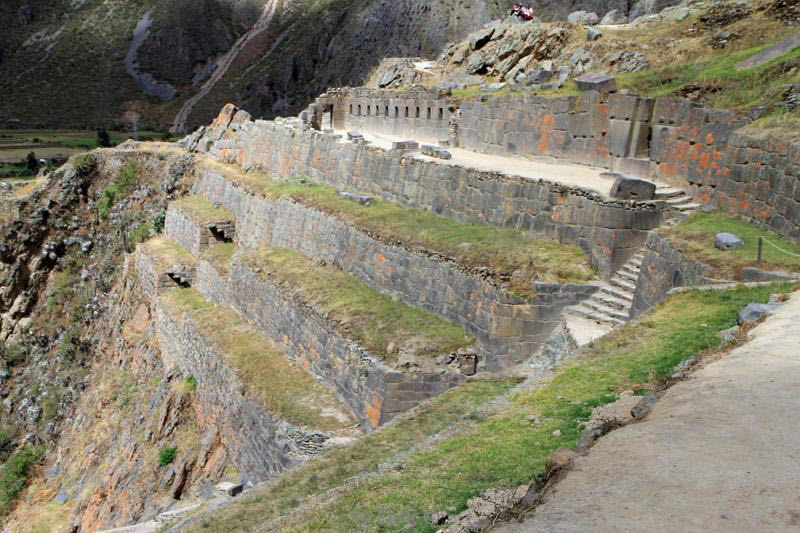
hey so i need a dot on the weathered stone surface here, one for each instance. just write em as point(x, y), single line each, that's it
point(756, 274)
point(727, 241)
point(579, 18)
point(479, 38)
point(663, 268)
point(753, 312)
point(773, 52)
point(231, 489)
point(630, 188)
point(592, 34)
point(613, 17)
point(601, 83)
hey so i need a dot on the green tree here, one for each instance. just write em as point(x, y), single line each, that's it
point(103, 138)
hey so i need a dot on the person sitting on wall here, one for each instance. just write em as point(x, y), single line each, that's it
point(526, 13)
point(516, 10)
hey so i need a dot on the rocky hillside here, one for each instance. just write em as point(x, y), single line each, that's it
point(123, 62)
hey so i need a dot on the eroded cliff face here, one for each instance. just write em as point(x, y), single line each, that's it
point(82, 380)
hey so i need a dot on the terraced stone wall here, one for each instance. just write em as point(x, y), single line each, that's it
point(664, 268)
point(508, 327)
point(755, 177)
point(609, 231)
point(374, 391)
point(259, 444)
point(419, 116)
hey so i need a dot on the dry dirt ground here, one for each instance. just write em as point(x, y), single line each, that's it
point(719, 452)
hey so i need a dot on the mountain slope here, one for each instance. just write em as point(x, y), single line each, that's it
point(79, 48)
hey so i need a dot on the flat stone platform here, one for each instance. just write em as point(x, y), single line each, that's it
point(719, 452)
point(544, 168)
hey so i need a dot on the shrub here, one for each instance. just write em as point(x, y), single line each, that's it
point(83, 162)
point(14, 476)
point(103, 138)
point(166, 455)
point(124, 181)
point(158, 223)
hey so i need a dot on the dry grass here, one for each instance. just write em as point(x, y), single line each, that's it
point(202, 211)
point(219, 256)
point(166, 252)
point(695, 239)
point(284, 389)
point(383, 325)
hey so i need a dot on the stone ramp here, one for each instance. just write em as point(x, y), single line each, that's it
point(719, 452)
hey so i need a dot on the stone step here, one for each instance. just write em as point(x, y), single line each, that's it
point(678, 200)
point(687, 207)
point(633, 270)
point(612, 301)
point(587, 312)
point(631, 276)
point(599, 306)
point(635, 264)
point(619, 294)
point(623, 283)
point(669, 192)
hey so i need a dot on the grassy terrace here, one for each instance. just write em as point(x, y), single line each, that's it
point(695, 239)
point(284, 389)
point(502, 251)
point(504, 449)
point(202, 210)
point(361, 313)
point(166, 252)
point(219, 256)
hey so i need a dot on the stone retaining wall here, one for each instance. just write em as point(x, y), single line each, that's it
point(375, 392)
point(609, 231)
point(260, 445)
point(664, 268)
point(508, 328)
point(153, 278)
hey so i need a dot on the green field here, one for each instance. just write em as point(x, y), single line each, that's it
point(16, 144)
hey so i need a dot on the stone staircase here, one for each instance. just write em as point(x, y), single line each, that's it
point(611, 304)
point(675, 197)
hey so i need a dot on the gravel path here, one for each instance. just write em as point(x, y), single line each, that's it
point(719, 452)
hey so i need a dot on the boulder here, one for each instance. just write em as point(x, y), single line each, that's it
point(405, 145)
point(582, 18)
point(601, 83)
point(479, 38)
point(592, 34)
point(630, 188)
point(753, 312)
point(727, 241)
point(231, 489)
point(613, 17)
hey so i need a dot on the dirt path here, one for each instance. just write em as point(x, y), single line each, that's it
point(719, 452)
point(224, 63)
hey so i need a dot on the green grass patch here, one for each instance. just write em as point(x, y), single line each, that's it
point(361, 313)
point(219, 256)
point(166, 455)
point(505, 450)
point(14, 476)
point(125, 181)
point(286, 390)
point(727, 87)
point(202, 211)
point(166, 252)
point(339, 464)
point(513, 258)
point(695, 239)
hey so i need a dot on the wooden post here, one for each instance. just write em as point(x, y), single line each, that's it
point(760, 247)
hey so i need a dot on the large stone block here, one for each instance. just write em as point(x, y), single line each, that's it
point(601, 83)
point(629, 188)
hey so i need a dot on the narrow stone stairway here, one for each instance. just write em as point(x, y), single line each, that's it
point(611, 305)
point(675, 197)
